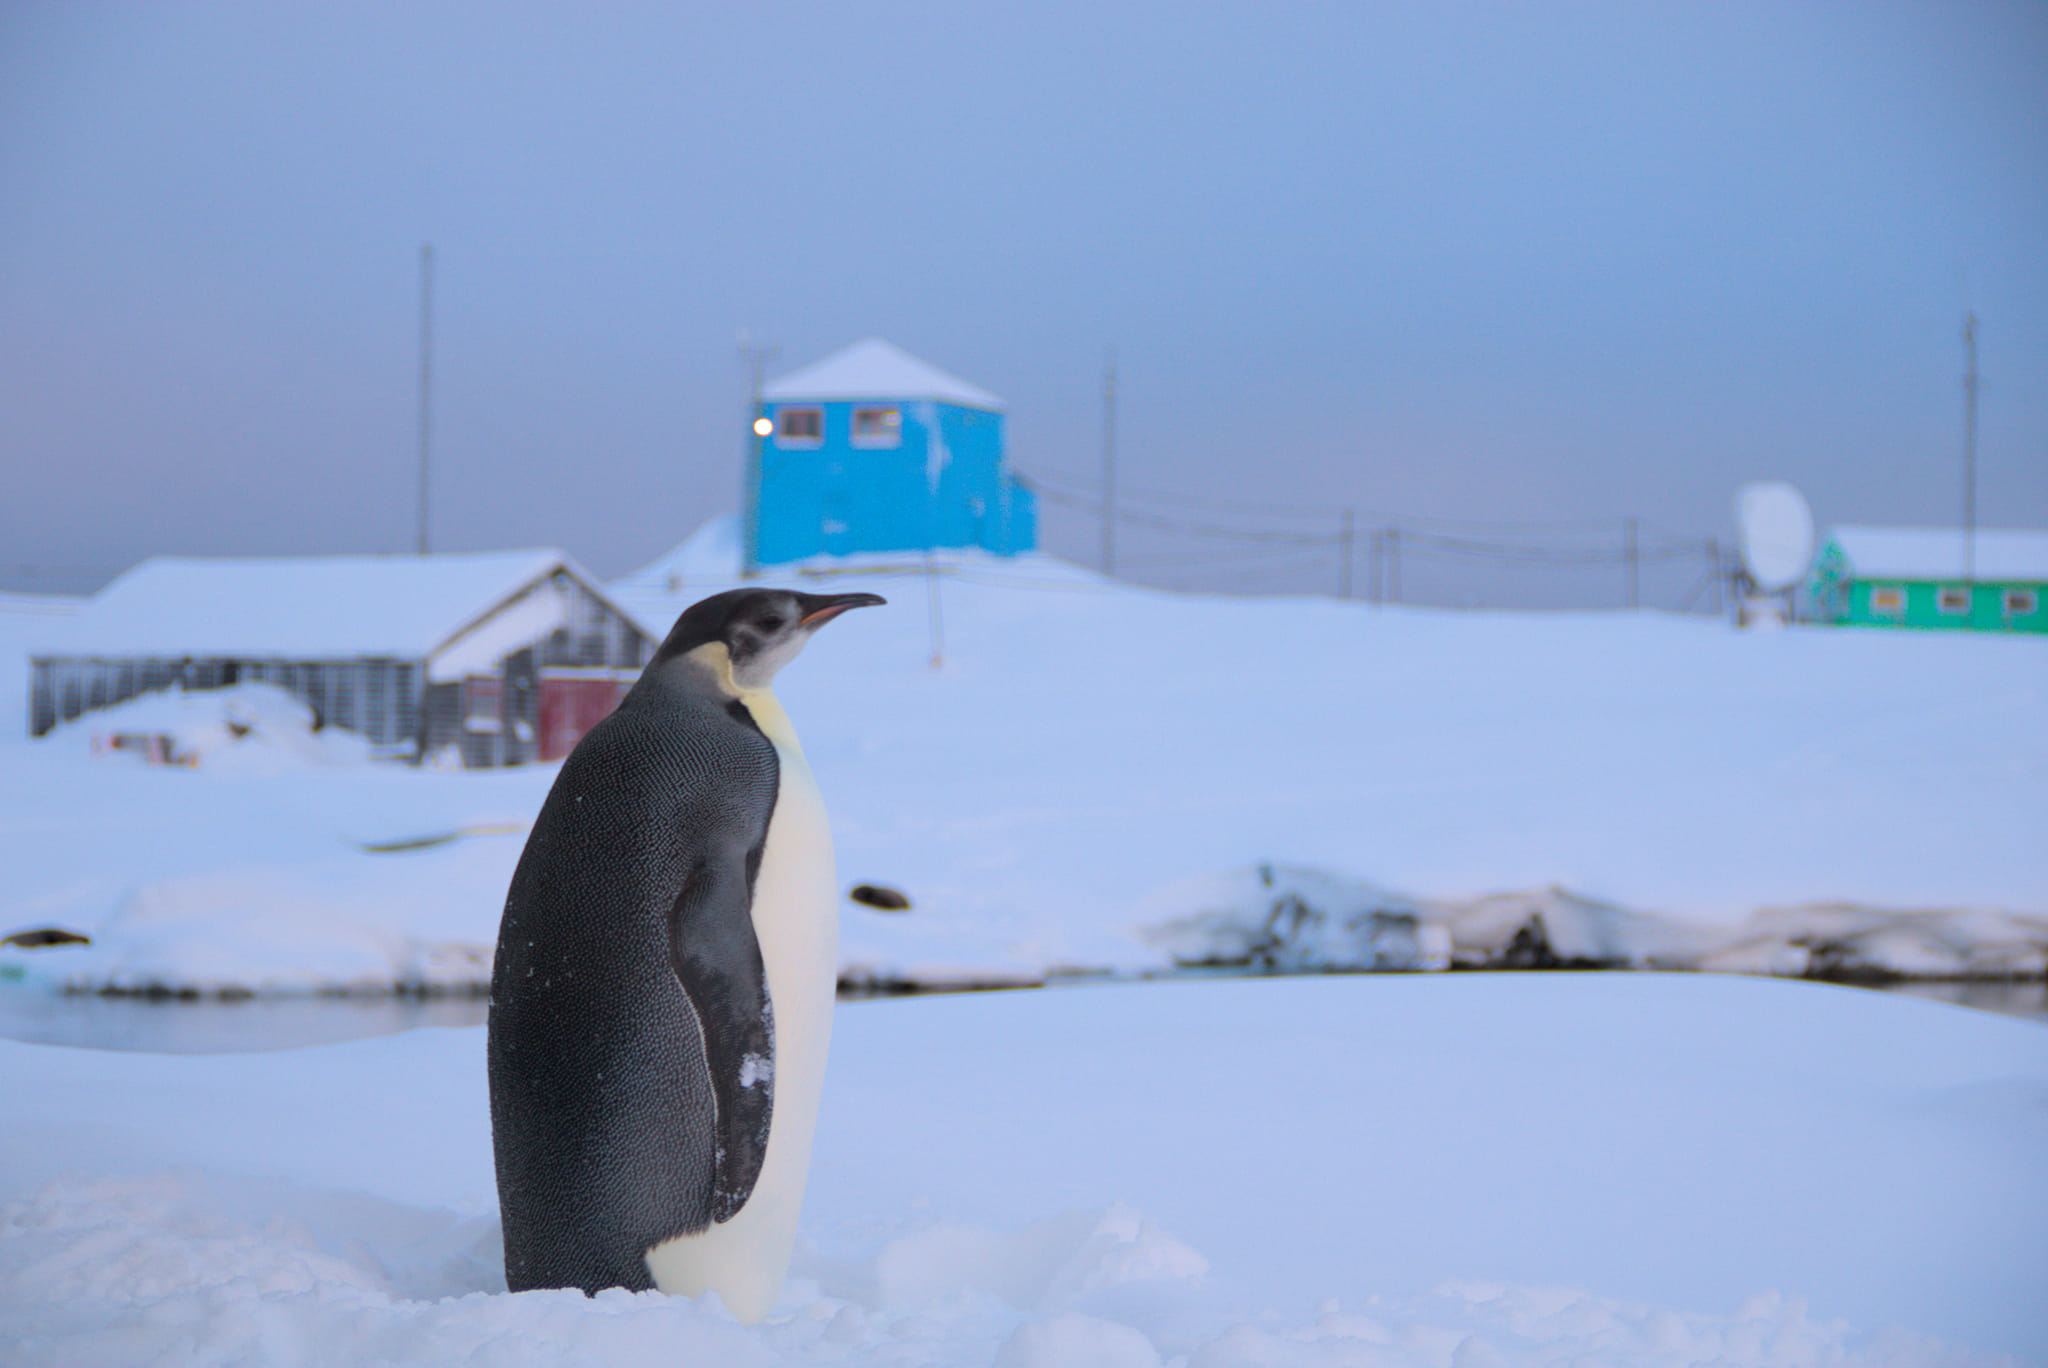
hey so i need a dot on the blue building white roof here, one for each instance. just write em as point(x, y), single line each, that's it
point(873, 450)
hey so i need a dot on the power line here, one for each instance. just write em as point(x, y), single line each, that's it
point(1040, 480)
point(1414, 531)
point(1245, 539)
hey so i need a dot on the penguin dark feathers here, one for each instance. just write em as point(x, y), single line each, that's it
point(661, 1001)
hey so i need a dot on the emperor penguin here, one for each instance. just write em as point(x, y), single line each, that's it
point(661, 1002)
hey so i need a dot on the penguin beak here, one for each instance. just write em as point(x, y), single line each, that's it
point(821, 609)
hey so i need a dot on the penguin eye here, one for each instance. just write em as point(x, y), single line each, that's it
point(772, 623)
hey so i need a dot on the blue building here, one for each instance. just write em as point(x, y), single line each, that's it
point(872, 449)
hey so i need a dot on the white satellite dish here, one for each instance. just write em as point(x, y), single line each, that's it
point(1776, 529)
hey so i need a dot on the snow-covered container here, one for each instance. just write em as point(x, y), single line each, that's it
point(482, 659)
point(1985, 579)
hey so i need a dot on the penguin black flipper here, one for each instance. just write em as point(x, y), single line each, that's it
point(608, 1090)
point(717, 960)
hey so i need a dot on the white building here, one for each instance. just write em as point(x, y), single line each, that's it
point(495, 658)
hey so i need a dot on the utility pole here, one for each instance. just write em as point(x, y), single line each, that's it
point(1109, 465)
point(754, 356)
point(1970, 448)
point(426, 379)
point(1632, 562)
point(938, 621)
point(1344, 575)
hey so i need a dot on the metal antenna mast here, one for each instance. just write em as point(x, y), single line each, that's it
point(1970, 448)
point(1109, 465)
point(1630, 554)
point(426, 378)
point(754, 356)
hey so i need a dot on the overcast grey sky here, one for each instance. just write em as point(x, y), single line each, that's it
point(1493, 262)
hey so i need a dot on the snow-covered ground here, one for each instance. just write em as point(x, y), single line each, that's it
point(1437, 1171)
point(1099, 777)
point(1440, 1170)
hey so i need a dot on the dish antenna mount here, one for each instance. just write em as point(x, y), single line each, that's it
point(1775, 530)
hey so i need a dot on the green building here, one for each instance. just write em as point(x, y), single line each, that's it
point(1925, 577)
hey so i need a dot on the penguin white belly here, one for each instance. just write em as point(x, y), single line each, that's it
point(796, 921)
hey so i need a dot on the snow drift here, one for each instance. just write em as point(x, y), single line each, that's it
point(1094, 776)
point(1405, 1172)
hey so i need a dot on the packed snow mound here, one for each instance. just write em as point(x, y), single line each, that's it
point(1403, 1172)
point(1850, 941)
point(1031, 753)
point(1278, 918)
point(1284, 919)
point(260, 930)
point(248, 727)
point(353, 925)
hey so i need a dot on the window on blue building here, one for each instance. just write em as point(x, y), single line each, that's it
point(794, 425)
point(878, 427)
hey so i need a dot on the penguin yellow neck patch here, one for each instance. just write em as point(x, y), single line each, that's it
point(716, 660)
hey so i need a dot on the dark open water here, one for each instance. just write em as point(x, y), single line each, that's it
point(210, 1026)
point(258, 1024)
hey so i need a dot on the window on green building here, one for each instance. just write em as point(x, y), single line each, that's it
point(1953, 600)
point(2021, 603)
point(1887, 598)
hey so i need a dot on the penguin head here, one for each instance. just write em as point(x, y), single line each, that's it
point(759, 630)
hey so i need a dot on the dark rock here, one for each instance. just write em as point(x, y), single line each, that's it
point(881, 897)
point(45, 935)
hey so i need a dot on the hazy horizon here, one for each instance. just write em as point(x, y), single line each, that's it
point(1484, 263)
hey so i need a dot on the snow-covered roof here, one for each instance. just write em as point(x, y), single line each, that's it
point(710, 556)
point(1936, 553)
point(401, 607)
point(874, 369)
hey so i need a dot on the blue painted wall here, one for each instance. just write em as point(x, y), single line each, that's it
point(943, 485)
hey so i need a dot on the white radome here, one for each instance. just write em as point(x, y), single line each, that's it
point(1776, 531)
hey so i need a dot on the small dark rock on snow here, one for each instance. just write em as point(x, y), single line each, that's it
point(43, 936)
point(881, 897)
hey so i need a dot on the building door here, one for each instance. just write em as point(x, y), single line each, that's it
point(570, 705)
